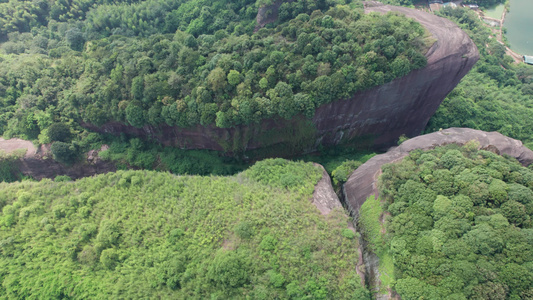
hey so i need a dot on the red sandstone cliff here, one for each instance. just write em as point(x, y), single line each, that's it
point(38, 163)
point(383, 113)
point(363, 182)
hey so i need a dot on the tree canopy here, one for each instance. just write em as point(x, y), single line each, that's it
point(184, 63)
point(459, 224)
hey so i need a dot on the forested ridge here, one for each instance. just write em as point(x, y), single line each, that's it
point(453, 223)
point(184, 63)
point(145, 234)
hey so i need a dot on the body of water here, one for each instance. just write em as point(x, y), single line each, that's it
point(519, 24)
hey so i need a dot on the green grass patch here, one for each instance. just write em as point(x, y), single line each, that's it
point(386, 271)
point(369, 221)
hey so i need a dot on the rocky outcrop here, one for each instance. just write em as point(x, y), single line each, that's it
point(324, 197)
point(325, 200)
point(38, 163)
point(268, 14)
point(378, 115)
point(49, 168)
point(363, 182)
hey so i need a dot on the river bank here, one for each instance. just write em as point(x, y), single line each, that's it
point(496, 25)
point(518, 24)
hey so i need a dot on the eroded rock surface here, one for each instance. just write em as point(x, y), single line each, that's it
point(363, 182)
point(324, 197)
point(12, 145)
point(405, 105)
point(268, 14)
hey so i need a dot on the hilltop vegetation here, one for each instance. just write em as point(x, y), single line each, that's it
point(184, 63)
point(458, 225)
point(143, 234)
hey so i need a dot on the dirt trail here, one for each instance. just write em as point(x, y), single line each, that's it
point(8, 146)
point(498, 32)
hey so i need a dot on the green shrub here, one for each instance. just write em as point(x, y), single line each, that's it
point(63, 152)
point(59, 132)
point(62, 178)
point(109, 258)
point(229, 269)
point(244, 230)
point(341, 174)
point(348, 233)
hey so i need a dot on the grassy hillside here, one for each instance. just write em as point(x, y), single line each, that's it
point(141, 234)
point(458, 225)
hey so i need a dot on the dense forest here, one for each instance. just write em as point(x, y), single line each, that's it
point(458, 225)
point(145, 234)
point(198, 63)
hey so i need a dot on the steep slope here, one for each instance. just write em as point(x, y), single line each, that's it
point(446, 219)
point(37, 163)
point(405, 105)
point(365, 202)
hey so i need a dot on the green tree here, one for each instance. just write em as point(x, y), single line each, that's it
point(64, 152)
point(234, 77)
point(135, 115)
point(59, 132)
point(217, 79)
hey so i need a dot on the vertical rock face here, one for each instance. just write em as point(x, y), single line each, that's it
point(324, 197)
point(268, 14)
point(363, 183)
point(383, 113)
point(405, 105)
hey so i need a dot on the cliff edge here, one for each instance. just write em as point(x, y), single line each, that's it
point(363, 182)
point(37, 162)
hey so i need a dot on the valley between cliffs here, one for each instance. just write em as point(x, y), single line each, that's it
point(377, 116)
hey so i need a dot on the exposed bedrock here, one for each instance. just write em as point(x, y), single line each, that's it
point(363, 182)
point(38, 163)
point(405, 105)
point(324, 197)
point(379, 115)
point(268, 14)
